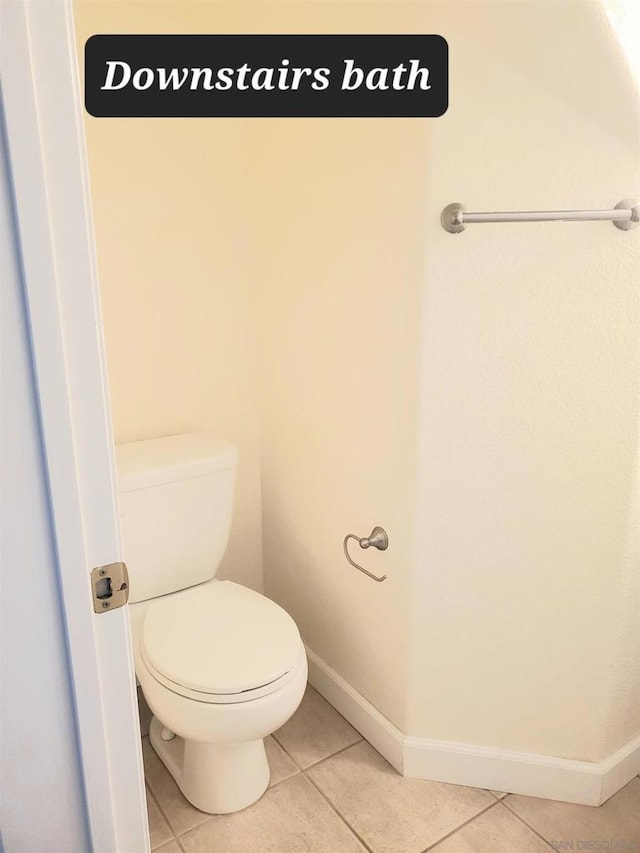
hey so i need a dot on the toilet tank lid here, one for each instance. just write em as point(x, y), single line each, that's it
point(175, 457)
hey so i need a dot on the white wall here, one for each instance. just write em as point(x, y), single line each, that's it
point(42, 797)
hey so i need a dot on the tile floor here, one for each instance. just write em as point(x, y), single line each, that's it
point(331, 792)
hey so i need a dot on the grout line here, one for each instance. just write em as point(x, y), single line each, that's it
point(337, 752)
point(499, 799)
point(151, 795)
point(210, 817)
point(274, 735)
point(166, 844)
point(462, 825)
point(320, 760)
point(287, 753)
point(333, 707)
point(149, 790)
point(327, 757)
point(281, 782)
point(522, 820)
point(207, 817)
point(334, 809)
point(162, 812)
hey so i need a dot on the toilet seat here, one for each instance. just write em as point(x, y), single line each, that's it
point(220, 643)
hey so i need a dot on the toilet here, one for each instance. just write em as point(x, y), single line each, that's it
point(221, 666)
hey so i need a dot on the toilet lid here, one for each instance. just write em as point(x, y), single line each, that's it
point(220, 638)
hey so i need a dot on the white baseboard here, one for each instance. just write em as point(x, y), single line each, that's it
point(620, 768)
point(372, 725)
point(586, 782)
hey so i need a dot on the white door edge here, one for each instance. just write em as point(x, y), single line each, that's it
point(43, 113)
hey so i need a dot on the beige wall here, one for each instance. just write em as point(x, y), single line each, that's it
point(337, 291)
point(513, 577)
point(320, 224)
point(338, 301)
point(172, 240)
point(526, 611)
point(474, 394)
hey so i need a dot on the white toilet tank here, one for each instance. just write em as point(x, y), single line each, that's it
point(176, 502)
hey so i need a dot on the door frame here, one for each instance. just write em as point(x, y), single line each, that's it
point(48, 169)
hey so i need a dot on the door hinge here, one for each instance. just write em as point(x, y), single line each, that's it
point(110, 587)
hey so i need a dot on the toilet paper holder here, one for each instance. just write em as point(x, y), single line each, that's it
point(377, 539)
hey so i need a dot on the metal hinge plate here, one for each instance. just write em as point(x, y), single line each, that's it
point(109, 586)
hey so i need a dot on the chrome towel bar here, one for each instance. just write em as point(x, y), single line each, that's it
point(625, 215)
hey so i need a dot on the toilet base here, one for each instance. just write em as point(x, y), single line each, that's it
point(217, 778)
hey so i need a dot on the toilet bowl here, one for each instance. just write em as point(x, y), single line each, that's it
point(221, 666)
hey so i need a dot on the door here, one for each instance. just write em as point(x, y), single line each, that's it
point(47, 170)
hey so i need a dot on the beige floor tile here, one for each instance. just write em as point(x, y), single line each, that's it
point(499, 794)
point(280, 764)
point(390, 813)
point(179, 812)
point(291, 818)
point(144, 712)
point(171, 847)
point(158, 827)
point(617, 820)
point(315, 731)
point(494, 831)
